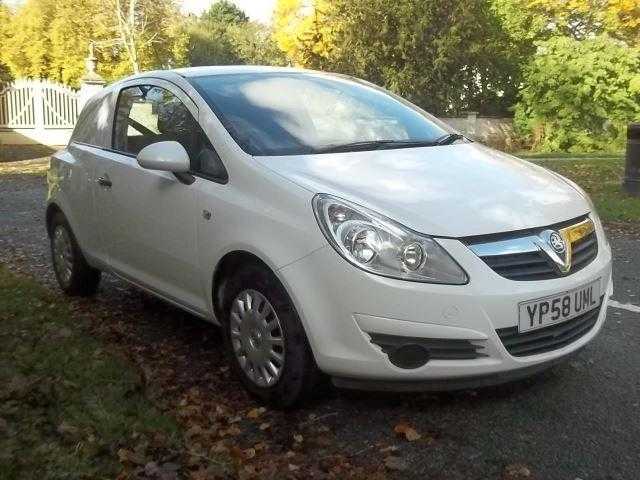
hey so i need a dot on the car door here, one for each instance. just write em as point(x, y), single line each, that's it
point(148, 218)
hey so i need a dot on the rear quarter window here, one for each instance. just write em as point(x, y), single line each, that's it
point(93, 122)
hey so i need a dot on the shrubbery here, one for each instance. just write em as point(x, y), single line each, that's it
point(579, 95)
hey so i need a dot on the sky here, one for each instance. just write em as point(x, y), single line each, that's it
point(258, 10)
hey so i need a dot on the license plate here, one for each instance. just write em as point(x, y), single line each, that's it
point(559, 308)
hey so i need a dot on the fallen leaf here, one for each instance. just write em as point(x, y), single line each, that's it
point(409, 433)
point(264, 426)
point(219, 447)
point(516, 471)
point(391, 448)
point(395, 463)
point(293, 467)
point(127, 456)
point(233, 430)
point(256, 412)
point(298, 438)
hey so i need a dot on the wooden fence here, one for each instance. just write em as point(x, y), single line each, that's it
point(39, 110)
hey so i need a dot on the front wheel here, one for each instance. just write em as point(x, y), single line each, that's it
point(265, 339)
point(75, 276)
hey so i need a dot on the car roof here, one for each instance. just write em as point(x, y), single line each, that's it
point(205, 71)
point(228, 69)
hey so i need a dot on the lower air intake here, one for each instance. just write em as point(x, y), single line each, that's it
point(549, 338)
point(413, 352)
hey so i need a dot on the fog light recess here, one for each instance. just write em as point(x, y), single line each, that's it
point(409, 356)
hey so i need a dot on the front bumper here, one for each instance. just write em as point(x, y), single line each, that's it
point(341, 306)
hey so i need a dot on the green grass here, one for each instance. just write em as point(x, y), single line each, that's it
point(67, 406)
point(602, 180)
point(570, 156)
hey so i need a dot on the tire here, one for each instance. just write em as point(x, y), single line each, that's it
point(298, 371)
point(75, 276)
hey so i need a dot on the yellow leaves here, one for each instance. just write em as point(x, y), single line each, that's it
point(634, 85)
point(407, 431)
point(256, 412)
point(302, 31)
point(620, 18)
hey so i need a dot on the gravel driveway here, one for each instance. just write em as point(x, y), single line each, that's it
point(578, 420)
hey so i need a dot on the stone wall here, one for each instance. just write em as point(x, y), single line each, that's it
point(497, 132)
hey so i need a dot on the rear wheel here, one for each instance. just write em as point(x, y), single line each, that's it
point(75, 276)
point(266, 342)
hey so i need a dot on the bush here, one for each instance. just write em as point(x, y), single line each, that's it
point(579, 95)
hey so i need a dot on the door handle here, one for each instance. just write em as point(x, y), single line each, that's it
point(105, 182)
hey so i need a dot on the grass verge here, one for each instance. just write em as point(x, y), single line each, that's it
point(569, 156)
point(68, 408)
point(602, 180)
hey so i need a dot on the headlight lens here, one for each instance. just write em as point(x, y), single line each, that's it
point(380, 245)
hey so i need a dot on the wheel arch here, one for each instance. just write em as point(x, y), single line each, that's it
point(52, 209)
point(228, 264)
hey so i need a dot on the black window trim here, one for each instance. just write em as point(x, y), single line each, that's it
point(138, 82)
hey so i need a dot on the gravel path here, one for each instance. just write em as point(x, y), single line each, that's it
point(578, 420)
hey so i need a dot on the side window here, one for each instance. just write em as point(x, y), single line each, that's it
point(89, 129)
point(146, 114)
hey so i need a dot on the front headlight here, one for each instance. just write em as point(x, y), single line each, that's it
point(380, 245)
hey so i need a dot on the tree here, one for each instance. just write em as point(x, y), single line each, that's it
point(253, 44)
point(223, 35)
point(303, 31)
point(209, 47)
point(27, 47)
point(209, 40)
point(580, 95)
point(147, 32)
point(49, 38)
point(224, 12)
point(5, 18)
point(447, 56)
point(622, 19)
point(70, 32)
point(533, 20)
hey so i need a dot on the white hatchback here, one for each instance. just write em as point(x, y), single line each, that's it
point(328, 226)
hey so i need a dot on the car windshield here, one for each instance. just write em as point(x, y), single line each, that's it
point(305, 113)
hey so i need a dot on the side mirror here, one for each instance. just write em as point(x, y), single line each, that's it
point(165, 156)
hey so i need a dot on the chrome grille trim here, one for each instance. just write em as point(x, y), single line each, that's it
point(523, 257)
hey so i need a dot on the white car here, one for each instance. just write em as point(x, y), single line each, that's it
point(328, 226)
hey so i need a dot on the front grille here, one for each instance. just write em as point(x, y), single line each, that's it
point(522, 266)
point(548, 338)
point(537, 266)
point(438, 348)
point(519, 255)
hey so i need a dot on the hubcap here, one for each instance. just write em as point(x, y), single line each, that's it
point(257, 338)
point(62, 254)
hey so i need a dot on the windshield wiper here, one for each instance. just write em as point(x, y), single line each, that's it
point(375, 145)
point(448, 139)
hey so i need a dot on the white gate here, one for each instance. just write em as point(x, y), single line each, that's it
point(38, 109)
